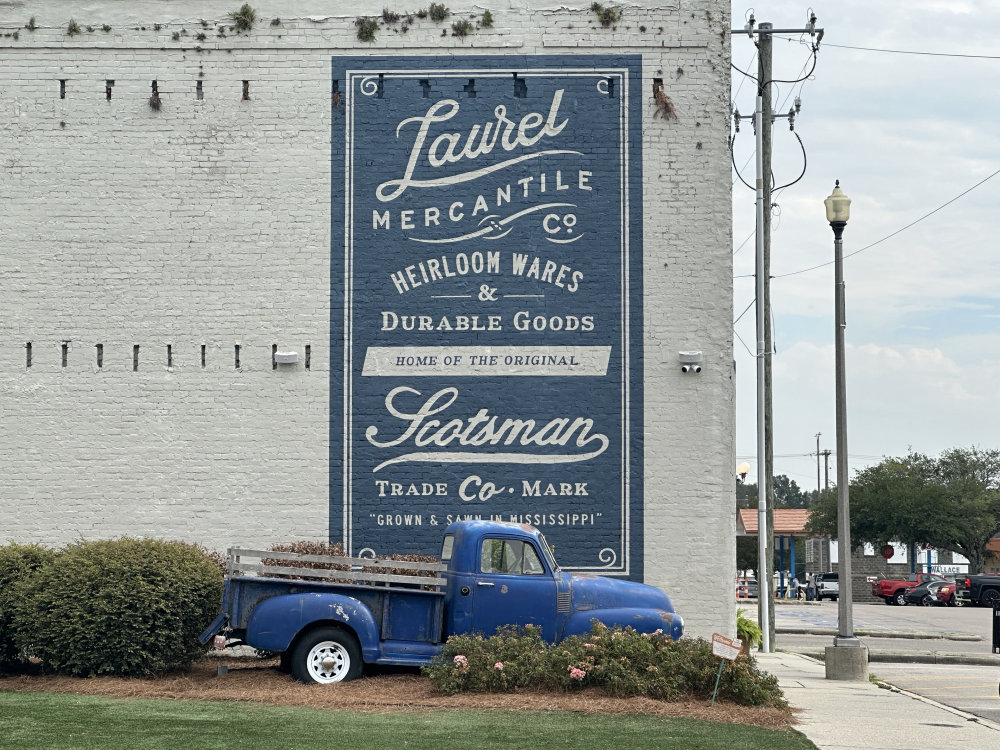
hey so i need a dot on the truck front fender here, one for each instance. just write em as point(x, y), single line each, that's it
point(275, 622)
point(640, 620)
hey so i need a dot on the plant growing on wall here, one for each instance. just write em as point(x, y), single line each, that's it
point(31, 24)
point(608, 16)
point(487, 20)
point(462, 28)
point(438, 12)
point(366, 28)
point(244, 18)
point(73, 29)
point(664, 106)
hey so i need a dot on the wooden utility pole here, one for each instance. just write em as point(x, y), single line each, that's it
point(763, 118)
point(764, 57)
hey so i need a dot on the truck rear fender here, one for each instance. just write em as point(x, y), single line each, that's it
point(276, 622)
point(640, 620)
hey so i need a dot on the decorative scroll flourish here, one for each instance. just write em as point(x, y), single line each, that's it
point(493, 227)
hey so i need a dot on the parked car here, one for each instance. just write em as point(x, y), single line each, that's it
point(893, 590)
point(827, 586)
point(750, 589)
point(931, 593)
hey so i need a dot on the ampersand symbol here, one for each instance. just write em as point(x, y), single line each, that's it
point(486, 294)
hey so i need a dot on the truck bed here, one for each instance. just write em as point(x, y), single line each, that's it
point(407, 608)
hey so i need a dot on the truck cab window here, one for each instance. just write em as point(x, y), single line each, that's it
point(447, 546)
point(510, 557)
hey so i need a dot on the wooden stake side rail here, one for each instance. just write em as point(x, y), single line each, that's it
point(356, 573)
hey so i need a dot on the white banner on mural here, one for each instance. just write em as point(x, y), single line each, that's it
point(483, 361)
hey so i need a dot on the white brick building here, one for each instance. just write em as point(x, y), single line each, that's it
point(153, 260)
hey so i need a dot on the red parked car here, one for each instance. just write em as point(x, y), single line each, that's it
point(931, 593)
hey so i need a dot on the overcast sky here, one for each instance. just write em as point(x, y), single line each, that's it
point(904, 134)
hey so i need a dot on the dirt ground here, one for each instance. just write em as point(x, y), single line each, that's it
point(259, 681)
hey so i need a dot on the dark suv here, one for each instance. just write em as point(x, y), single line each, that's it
point(827, 586)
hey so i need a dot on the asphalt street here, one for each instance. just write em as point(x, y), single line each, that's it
point(921, 635)
point(974, 689)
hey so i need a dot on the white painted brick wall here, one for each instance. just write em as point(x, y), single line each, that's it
point(207, 224)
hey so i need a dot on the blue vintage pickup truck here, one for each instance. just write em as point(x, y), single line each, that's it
point(491, 574)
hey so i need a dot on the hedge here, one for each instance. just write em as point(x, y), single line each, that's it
point(128, 607)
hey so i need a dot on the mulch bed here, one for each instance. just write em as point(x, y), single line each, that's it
point(259, 681)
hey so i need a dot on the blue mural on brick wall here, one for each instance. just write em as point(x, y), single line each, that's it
point(487, 302)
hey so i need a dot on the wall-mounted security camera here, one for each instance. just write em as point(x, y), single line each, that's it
point(690, 361)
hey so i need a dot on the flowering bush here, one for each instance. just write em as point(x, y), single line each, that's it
point(620, 662)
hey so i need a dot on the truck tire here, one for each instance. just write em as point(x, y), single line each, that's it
point(927, 601)
point(956, 602)
point(900, 598)
point(989, 597)
point(326, 655)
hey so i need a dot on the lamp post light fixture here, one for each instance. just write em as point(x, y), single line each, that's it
point(847, 659)
point(742, 470)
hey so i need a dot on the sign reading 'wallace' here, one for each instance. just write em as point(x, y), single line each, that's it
point(486, 303)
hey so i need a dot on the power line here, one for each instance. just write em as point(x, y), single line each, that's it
point(888, 236)
point(744, 312)
point(909, 52)
point(903, 229)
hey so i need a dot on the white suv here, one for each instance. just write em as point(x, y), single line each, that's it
point(827, 586)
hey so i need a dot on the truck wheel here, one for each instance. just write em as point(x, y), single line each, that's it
point(927, 601)
point(989, 598)
point(956, 602)
point(900, 598)
point(326, 655)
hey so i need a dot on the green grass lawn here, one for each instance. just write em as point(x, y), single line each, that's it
point(39, 721)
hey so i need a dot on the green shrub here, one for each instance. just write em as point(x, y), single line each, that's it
point(468, 663)
point(622, 663)
point(128, 607)
point(18, 562)
point(747, 630)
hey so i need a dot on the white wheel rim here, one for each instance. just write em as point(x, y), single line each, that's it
point(328, 661)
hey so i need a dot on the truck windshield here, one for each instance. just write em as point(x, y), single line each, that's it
point(547, 551)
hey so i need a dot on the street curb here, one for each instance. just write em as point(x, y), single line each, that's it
point(916, 657)
point(930, 701)
point(906, 634)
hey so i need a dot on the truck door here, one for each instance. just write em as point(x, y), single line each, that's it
point(513, 587)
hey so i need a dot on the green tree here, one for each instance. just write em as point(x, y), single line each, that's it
point(951, 503)
point(786, 494)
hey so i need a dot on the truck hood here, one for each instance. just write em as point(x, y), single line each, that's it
point(597, 592)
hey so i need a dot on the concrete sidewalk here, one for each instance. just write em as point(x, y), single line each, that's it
point(838, 715)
